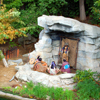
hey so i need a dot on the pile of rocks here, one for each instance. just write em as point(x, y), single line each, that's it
point(62, 80)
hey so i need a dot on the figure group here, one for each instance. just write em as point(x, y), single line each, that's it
point(52, 69)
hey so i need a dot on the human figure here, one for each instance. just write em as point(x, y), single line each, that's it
point(40, 65)
point(65, 52)
point(53, 70)
point(42, 62)
point(65, 67)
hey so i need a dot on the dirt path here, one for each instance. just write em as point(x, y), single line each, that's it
point(6, 74)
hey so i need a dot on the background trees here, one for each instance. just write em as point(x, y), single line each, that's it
point(7, 31)
point(96, 12)
point(30, 10)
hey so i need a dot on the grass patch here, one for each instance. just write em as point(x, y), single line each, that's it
point(42, 92)
point(87, 89)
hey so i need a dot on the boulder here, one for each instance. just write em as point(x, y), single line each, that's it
point(15, 62)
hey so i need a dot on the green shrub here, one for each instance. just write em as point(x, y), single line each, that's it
point(86, 85)
point(84, 75)
point(88, 89)
point(41, 91)
point(96, 12)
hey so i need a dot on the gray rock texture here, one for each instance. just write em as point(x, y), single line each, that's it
point(55, 26)
point(62, 80)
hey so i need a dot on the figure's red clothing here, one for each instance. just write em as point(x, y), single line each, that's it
point(65, 70)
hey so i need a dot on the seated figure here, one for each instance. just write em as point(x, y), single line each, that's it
point(52, 69)
point(40, 65)
point(65, 66)
point(42, 62)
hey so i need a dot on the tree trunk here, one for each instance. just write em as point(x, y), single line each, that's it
point(82, 10)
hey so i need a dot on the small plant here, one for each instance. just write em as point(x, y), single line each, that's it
point(69, 94)
point(30, 84)
point(84, 75)
point(6, 88)
point(56, 93)
point(12, 44)
point(88, 89)
point(41, 91)
point(86, 85)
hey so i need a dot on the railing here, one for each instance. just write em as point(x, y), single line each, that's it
point(10, 53)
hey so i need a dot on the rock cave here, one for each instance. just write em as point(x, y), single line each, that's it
point(88, 55)
point(88, 51)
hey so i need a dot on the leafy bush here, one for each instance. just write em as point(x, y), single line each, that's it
point(96, 12)
point(88, 89)
point(84, 75)
point(86, 84)
point(42, 92)
point(6, 30)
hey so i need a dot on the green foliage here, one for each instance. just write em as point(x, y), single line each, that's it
point(88, 89)
point(7, 88)
point(84, 75)
point(7, 31)
point(30, 84)
point(69, 95)
point(16, 3)
point(41, 91)
point(12, 44)
point(29, 17)
point(1, 55)
point(86, 85)
point(96, 12)
point(53, 7)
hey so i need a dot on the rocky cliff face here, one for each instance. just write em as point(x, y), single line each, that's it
point(49, 41)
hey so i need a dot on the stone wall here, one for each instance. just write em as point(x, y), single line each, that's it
point(49, 41)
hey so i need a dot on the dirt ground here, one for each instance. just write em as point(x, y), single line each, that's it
point(6, 74)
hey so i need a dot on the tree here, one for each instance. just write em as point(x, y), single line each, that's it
point(82, 10)
point(32, 9)
point(96, 12)
point(6, 30)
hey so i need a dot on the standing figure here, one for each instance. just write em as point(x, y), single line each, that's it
point(65, 52)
